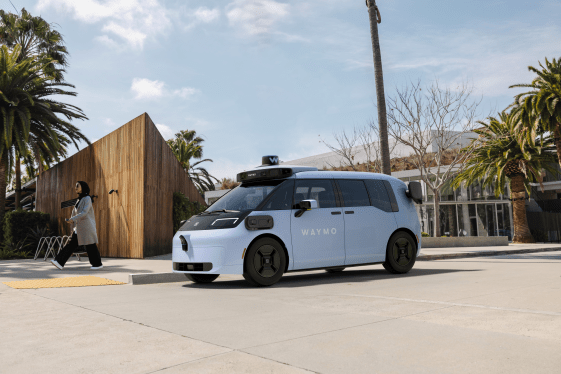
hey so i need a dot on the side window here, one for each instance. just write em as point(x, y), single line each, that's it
point(393, 201)
point(281, 198)
point(354, 193)
point(317, 189)
point(378, 195)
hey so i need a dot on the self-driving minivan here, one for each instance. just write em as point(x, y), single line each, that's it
point(285, 218)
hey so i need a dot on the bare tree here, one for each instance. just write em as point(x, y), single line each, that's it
point(432, 123)
point(346, 148)
point(361, 145)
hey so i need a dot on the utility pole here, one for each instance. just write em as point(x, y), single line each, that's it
point(375, 19)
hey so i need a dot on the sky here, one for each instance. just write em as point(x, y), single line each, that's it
point(262, 77)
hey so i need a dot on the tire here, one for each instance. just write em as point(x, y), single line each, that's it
point(335, 270)
point(264, 263)
point(201, 278)
point(401, 253)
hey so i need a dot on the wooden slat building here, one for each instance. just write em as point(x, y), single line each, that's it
point(135, 160)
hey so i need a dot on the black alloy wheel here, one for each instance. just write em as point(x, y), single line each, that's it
point(201, 278)
point(264, 263)
point(401, 253)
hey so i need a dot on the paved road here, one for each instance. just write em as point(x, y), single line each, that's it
point(481, 315)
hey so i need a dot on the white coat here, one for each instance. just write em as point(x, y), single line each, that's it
point(83, 221)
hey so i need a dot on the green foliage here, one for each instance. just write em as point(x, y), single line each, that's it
point(425, 235)
point(539, 110)
point(186, 147)
point(38, 39)
point(183, 209)
point(497, 153)
point(10, 251)
point(24, 226)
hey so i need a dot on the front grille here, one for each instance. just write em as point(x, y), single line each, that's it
point(192, 266)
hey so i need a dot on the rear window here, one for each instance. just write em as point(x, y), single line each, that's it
point(378, 195)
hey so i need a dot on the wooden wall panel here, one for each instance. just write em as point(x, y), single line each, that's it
point(163, 176)
point(115, 161)
point(136, 222)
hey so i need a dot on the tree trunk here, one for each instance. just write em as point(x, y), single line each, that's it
point(557, 135)
point(3, 183)
point(437, 214)
point(18, 182)
point(522, 232)
point(38, 161)
point(379, 77)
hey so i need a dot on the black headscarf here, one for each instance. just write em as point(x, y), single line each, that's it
point(85, 192)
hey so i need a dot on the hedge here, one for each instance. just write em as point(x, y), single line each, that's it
point(19, 223)
point(183, 209)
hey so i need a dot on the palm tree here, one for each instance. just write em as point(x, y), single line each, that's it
point(539, 110)
point(37, 39)
point(27, 111)
point(188, 146)
point(375, 19)
point(497, 156)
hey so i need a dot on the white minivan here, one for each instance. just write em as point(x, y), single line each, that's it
point(285, 218)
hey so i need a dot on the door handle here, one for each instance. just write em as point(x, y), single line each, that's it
point(334, 213)
point(350, 212)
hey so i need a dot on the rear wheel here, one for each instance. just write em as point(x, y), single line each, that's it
point(401, 253)
point(201, 278)
point(265, 262)
point(335, 270)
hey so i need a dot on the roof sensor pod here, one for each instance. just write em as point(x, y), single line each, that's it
point(269, 160)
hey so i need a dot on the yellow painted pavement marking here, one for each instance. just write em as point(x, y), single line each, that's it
point(83, 281)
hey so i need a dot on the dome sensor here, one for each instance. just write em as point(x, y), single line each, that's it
point(269, 160)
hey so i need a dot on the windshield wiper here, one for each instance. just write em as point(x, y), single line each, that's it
point(219, 211)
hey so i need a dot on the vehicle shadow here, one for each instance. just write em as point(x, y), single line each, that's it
point(319, 277)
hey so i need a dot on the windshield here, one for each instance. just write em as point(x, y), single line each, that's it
point(244, 197)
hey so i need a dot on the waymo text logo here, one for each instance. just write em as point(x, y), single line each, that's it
point(311, 232)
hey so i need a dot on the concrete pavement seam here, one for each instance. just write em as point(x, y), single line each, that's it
point(342, 328)
point(459, 304)
point(162, 330)
point(484, 253)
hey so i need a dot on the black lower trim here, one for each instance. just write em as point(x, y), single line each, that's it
point(336, 267)
point(192, 266)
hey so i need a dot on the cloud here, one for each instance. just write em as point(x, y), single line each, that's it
point(491, 64)
point(146, 89)
point(185, 92)
point(143, 88)
point(129, 21)
point(109, 122)
point(256, 17)
point(201, 15)
point(166, 131)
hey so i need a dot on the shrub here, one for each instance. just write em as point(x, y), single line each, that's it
point(10, 251)
point(425, 235)
point(183, 209)
point(19, 225)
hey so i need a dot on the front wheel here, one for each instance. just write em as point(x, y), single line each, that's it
point(201, 278)
point(265, 262)
point(401, 253)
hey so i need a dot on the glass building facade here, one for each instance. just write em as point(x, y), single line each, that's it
point(471, 211)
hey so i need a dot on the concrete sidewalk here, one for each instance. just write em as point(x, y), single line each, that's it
point(158, 269)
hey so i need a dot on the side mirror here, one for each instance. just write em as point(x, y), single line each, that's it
point(305, 205)
point(308, 204)
point(415, 192)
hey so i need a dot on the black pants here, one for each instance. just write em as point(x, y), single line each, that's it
point(72, 246)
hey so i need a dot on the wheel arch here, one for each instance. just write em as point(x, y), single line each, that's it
point(272, 236)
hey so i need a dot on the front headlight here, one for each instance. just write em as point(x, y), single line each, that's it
point(223, 223)
point(184, 245)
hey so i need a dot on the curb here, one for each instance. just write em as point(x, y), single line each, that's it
point(485, 254)
point(151, 278)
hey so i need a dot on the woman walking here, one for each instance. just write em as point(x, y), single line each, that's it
point(84, 233)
